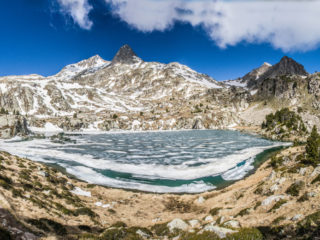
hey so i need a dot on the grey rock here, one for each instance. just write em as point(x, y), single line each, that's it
point(177, 224)
point(220, 231)
point(232, 223)
point(43, 174)
point(125, 55)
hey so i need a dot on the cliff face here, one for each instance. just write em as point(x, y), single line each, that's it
point(12, 125)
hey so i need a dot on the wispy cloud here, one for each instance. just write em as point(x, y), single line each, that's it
point(288, 25)
point(79, 11)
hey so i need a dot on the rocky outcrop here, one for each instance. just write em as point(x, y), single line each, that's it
point(125, 55)
point(286, 66)
point(12, 125)
point(250, 78)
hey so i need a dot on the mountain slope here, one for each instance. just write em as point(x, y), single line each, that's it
point(144, 95)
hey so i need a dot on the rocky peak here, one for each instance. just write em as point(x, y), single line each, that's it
point(125, 55)
point(251, 78)
point(286, 66)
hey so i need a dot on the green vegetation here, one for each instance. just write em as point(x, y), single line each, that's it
point(303, 198)
point(278, 220)
point(243, 212)
point(309, 227)
point(202, 236)
point(120, 234)
point(317, 179)
point(48, 225)
point(295, 188)
point(160, 229)
point(313, 147)
point(4, 111)
point(119, 225)
point(278, 204)
point(286, 120)
point(174, 205)
point(214, 211)
point(276, 162)
point(246, 234)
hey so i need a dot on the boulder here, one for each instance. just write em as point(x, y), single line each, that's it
point(194, 223)
point(177, 224)
point(142, 234)
point(297, 217)
point(200, 200)
point(220, 231)
point(208, 218)
point(272, 198)
point(232, 223)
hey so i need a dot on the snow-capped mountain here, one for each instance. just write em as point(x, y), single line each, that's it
point(128, 93)
point(127, 87)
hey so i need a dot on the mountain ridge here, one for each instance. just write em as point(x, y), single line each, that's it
point(128, 93)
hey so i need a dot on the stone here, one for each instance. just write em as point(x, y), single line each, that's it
point(208, 218)
point(274, 188)
point(43, 174)
point(311, 194)
point(142, 234)
point(272, 175)
point(272, 198)
point(220, 231)
point(222, 219)
point(200, 200)
point(177, 224)
point(297, 217)
point(232, 223)
point(194, 223)
point(303, 171)
point(315, 172)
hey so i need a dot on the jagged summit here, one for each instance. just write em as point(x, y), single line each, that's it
point(125, 55)
point(251, 78)
point(286, 66)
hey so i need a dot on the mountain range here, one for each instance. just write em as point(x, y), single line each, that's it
point(128, 93)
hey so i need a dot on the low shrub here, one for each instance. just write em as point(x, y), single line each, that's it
point(160, 229)
point(243, 212)
point(278, 204)
point(202, 236)
point(214, 211)
point(295, 188)
point(317, 179)
point(246, 234)
point(119, 224)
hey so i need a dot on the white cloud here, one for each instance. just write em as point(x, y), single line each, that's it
point(79, 11)
point(288, 25)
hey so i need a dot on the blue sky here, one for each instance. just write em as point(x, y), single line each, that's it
point(42, 36)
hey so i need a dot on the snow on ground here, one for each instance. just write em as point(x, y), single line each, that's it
point(236, 83)
point(80, 192)
point(48, 127)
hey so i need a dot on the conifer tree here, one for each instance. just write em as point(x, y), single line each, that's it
point(313, 147)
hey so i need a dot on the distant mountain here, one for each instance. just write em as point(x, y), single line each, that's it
point(286, 66)
point(126, 93)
